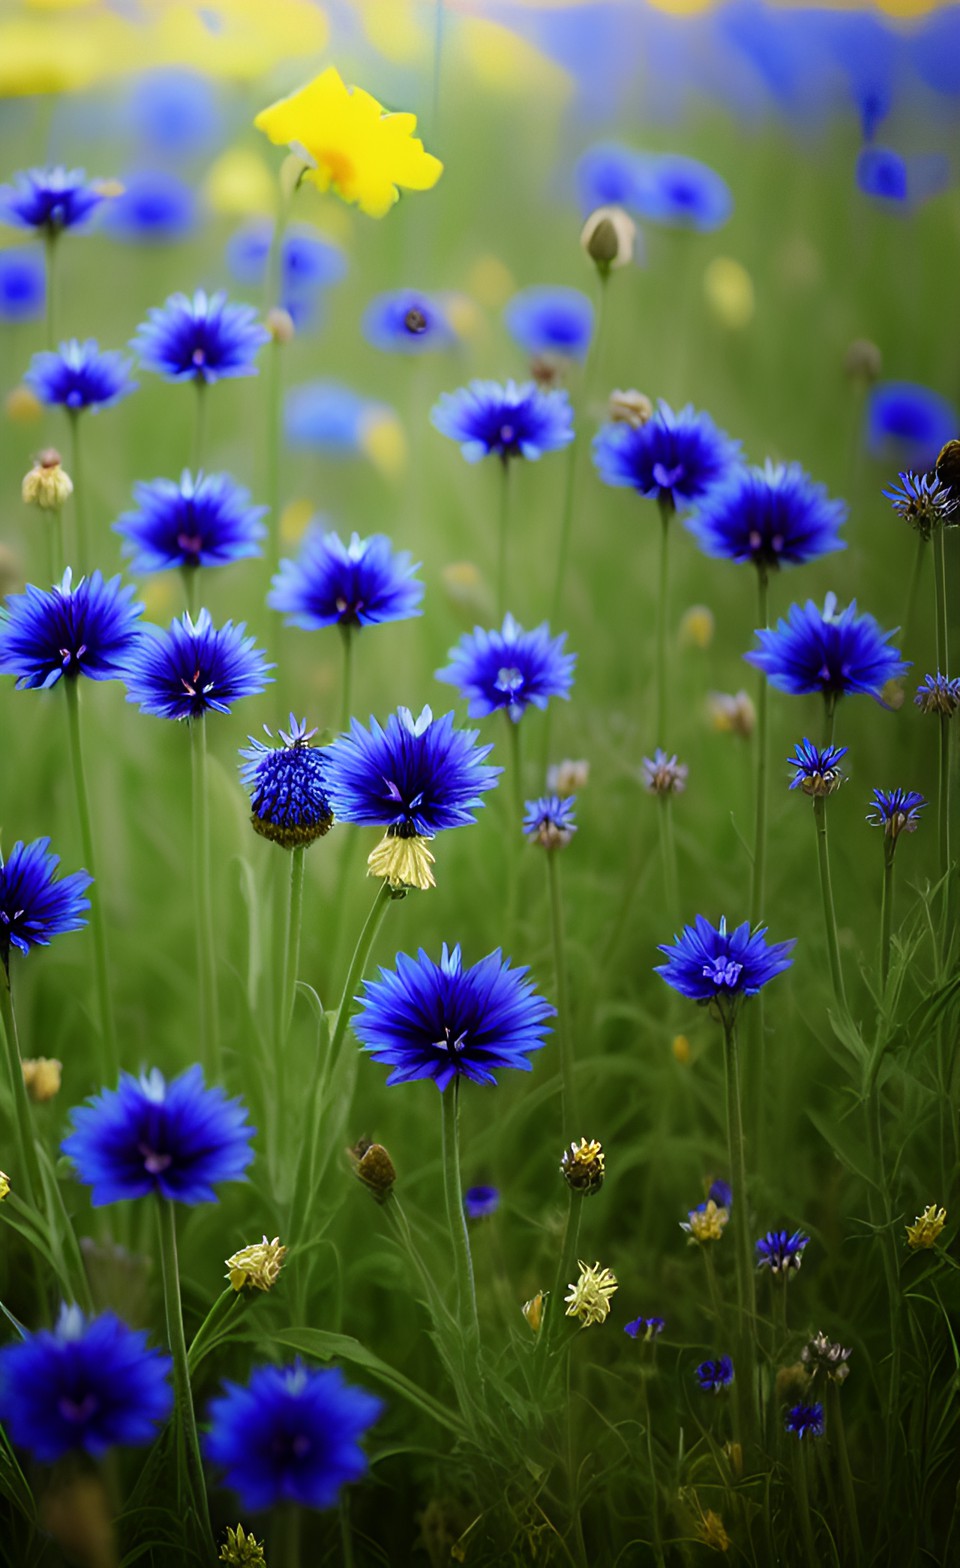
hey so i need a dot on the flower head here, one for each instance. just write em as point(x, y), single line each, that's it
point(90, 629)
point(816, 771)
point(291, 1435)
point(480, 1202)
point(646, 1329)
point(589, 1298)
point(822, 1354)
point(732, 713)
point(938, 694)
point(908, 423)
point(88, 1384)
point(819, 650)
point(681, 193)
point(79, 375)
point(706, 1222)
point(288, 786)
point(258, 1265)
point(23, 286)
point(923, 501)
point(489, 419)
point(896, 811)
point(350, 144)
point(309, 263)
point(533, 1310)
point(781, 1252)
point(551, 321)
point(4, 1185)
point(177, 1139)
point(584, 1167)
point(608, 173)
point(629, 407)
point(407, 322)
point(675, 458)
point(568, 777)
point(155, 207)
point(373, 1166)
point(926, 1228)
point(194, 667)
point(200, 339)
point(549, 821)
point(42, 1076)
point(715, 1376)
point(663, 775)
point(35, 905)
point(241, 1549)
point(805, 1421)
point(202, 521)
point(335, 584)
point(708, 964)
point(47, 484)
point(444, 1021)
point(509, 669)
point(773, 516)
point(49, 199)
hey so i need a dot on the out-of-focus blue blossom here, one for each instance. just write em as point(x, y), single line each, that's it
point(23, 285)
point(330, 418)
point(480, 1202)
point(489, 419)
point(67, 631)
point(194, 667)
point(175, 112)
point(722, 1194)
point(805, 1421)
point(81, 375)
point(34, 903)
point(509, 669)
point(335, 584)
point(645, 1329)
point(49, 200)
point(407, 322)
point(202, 521)
point(907, 424)
point(715, 1376)
point(816, 650)
point(546, 320)
point(682, 193)
point(309, 262)
point(883, 174)
point(549, 820)
point(156, 207)
point(709, 964)
point(934, 50)
point(676, 458)
point(773, 516)
point(200, 338)
point(608, 175)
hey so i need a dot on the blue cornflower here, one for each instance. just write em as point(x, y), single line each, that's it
point(805, 1421)
point(780, 1252)
point(441, 1021)
point(551, 321)
point(34, 904)
point(79, 375)
point(715, 1376)
point(549, 820)
point(309, 261)
point(359, 584)
point(938, 694)
point(88, 1384)
point(681, 193)
point(608, 174)
point(49, 199)
point(896, 811)
point(406, 322)
point(677, 458)
point(155, 207)
point(708, 964)
point(202, 521)
point(175, 111)
point(908, 424)
point(177, 1139)
point(816, 770)
point(773, 516)
point(288, 786)
point(819, 650)
point(923, 501)
point(23, 286)
point(193, 667)
point(332, 419)
point(510, 421)
point(722, 1194)
point(291, 1435)
point(645, 1329)
point(509, 669)
point(480, 1202)
point(87, 630)
point(200, 339)
point(662, 774)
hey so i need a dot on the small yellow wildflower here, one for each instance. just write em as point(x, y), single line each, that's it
point(710, 1531)
point(21, 406)
point(350, 143)
point(697, 626)
point(732, 713)
point(257, 1265)
point(404, 862)
point(48, 484)
point(728, 288)
point(241, 1550)
point(707, 1223)
point(925, 1231)
point(680, 1046)
point(589, 1298)
point(41, 1077)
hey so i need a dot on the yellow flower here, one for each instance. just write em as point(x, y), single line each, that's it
point(48, 484)
point(41, 1076)
point(926, 1230)
point(257, 1265)
point(706, 1224)
point(589, 1298)
point(4, 1185)
point(351, 145)
point(240, 1550)
point(404, 862)
point(533, 1311)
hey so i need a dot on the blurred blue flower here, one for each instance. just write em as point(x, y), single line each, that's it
point(200, 339)
point(510, 421)
point(175, 111)
point(359, 584)
point(707, 964)
point(773, 516)
point(290, 1436)
point(328, 417)
point(178, 1139)
point(202, 521)
point(155, 208)
point(938, 694)
point(35, 904)
point(49, 199)
point(646, 1329)
point(288, 786)
point(781, 1252)
point(441, 1021)
point(480, 1202)
point(662, 774)
point(608, 174)
point(816, 771)
point(722, 1194)
point(715, 1376)
point(805, 1421)
point(549, 820)
point(677, 458)
point(23, 283)
point(407, 322)
point(414, 776)
point(896, 811)
point(682, 193)
point(87, 630)
point(819, 650)
point(88, 1384)
point(193, 668)
point(509, 669)
point(551, 321)
point(907, 424)
point(79, 375)
point(310, 261)
point(886, 176)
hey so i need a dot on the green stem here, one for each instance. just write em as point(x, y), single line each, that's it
point(803, 1504)
point(199, 426)
point(274, 440)
point(913, 590)
point(553, 1315)
point(28, 1176)
point(706, 1252)
point(886, 917)
point(56, 544)
point(839, 1437)
point(574, 454)
point(666, 513)
point(358, 965)
point(826, 891)
point(51, 249)
point(746, 1301)
point(757, 889)
point(213, 1326)
point(191, 577)
point(891, 1267)
point(456, 1219)
point(651, 1465)
point(564, 1031)
point(79, 496)
point(943, 827)
point(502, 538)
point(184, 1411)
point(292, 952)
point(668, 854)
point(203, 906)
point(940, 591)
point(346, 688)
point(514, 834)
point(829, 716)
point(109, 1062)
point(286, 1536)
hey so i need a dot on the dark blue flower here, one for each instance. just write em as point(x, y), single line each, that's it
point(722, 1194)
point(938, 694)
point(816, 769)
point(709, 964)
point(509, 669)
point(888, 177)
point(155, 207)
point(34, 904)
point(773, 516)
point(200, 339)
point(88, 1384)
point(510, 421)
point(908, 424)
point(193, 667)
point(87, 630)
point(202, 521)
point(551, 321)
point(79, 375)
point(681, 193)
point(288, 786)
point(480, 1202)
point(23, 286)
point(549, 820)
point(819, 650)
point(781, 1252)
point(441, 1021)
point(178, 1139)
point(415, 776)
point(309, 263)
point(608, 174)
point(805, 1421)
point(407, 322)
point(677, 458)
point(645, 1328)
point(715, 1376)
point(49, 199)
point(290, 1436)
point(896, 811)
point(359, 584)
point(923, 501)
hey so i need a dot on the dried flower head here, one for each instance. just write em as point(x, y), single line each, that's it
point(373, 1166)
point(824, 1355)
point(629, 408)
point(732, 713)
point(41, 1076)
point(48, 484)
point(710, 1531)
point(923, 501)
point(240, 1550)
point(706, 1222)
point(925, 1231)
point(938, 694)
point(589, 1298)
point(663, 775)
point(583, 1167)
point(257, 1265)
point(568, 777)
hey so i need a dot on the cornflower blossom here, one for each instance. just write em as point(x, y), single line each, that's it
point(923, 501)
point(709, 964)
point(546, 320)
point(79, 376)
point(781, 1252)
point(480, 1202)
point(908, 424)
point(23, 284)
point(155, 207)
point(675, 458)
point(362, 583)
point(714, 1377)
point(645, 1329)
point(773, 516)
point(816, 770)
point(896, 811)
point(681, 193)
point(509, 669)
point(805, 1421)
point(663, 774)
point(549, 821)
point(194, 668)
point(200, 338)
point(938, 694)
point(407, 322)
point(50, 200)
point(36, 904)
point(67, 631)
point(288, 786)
point(816, 650)
point(488, 419)
point(205, 520)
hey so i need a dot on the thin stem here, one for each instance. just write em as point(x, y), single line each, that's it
point(56, 544)
point(203, 906)
point(668, 854)
point(886, 918)
point(51, 250)
point(757, 889)
point(706, 1252)
point(514, 823)
point(183, 1395)
point(564, 1021)
point(746, 1301)
point(292, 951)
point(502, 538)
point(286, 1536)
point(839, 1436)
point(803, 1504)
point(28, 1176)
point(651, 1465)
point(943, 826)
point(346, 688)
point(666, 513)
point(274, 439)
point(109, 1063)
point(456, 1219)
point(79, 496)
point(829, 716)
point(553, 1313)
point(891, 1267)
point(191, 577)
point(200, 425)
point(358, 964)
point(826, 891)
point(913, 589)
point(574, 453)
point(940, 591)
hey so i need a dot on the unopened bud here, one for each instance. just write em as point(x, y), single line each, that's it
point(549, 370)
point(608, 238)
point(280, 325)
point(630, 408)
point(533, 1311)
point(47, 485)
point(373, 1165)
point(4, 1185)
point(732, 713)
point(41, 1076)
point(568, 777)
